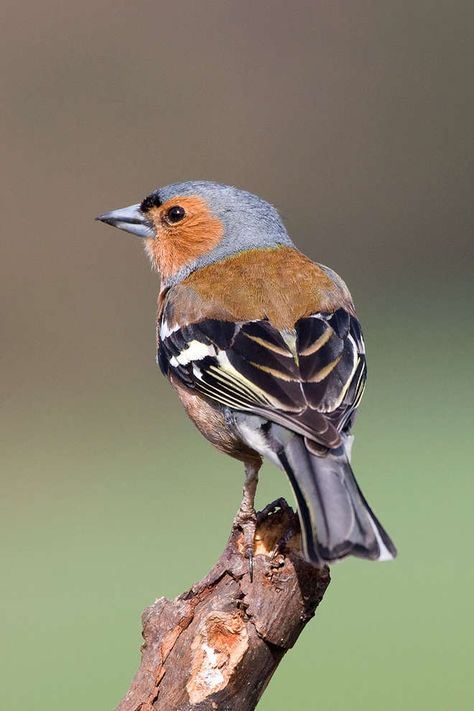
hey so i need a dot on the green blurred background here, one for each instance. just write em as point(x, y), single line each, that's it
point(356, 121)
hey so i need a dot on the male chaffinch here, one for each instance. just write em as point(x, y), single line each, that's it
point(265, 351)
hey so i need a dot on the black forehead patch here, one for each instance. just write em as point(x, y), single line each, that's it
point(151, 200)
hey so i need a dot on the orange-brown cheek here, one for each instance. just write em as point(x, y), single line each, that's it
point(178, 245)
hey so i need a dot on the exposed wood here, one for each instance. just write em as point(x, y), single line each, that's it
point(216, 646)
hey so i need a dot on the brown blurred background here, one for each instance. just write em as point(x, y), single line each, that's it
point(356, 121)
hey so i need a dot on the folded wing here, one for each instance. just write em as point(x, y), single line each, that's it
point(309, 378)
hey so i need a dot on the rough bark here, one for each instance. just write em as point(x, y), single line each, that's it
point(216, 646)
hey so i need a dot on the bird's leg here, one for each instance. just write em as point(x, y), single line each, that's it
point(246, 518)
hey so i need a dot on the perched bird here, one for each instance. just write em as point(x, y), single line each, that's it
point(265, 351)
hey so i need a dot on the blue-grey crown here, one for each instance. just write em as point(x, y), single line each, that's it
point(249, 222)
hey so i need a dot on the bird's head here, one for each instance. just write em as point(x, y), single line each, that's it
point(190, 225)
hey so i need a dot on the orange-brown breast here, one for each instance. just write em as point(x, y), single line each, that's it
point(177, 245)
point(280, 284)
point(210, 421)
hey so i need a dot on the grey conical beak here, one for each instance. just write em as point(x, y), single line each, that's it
point(131, 219)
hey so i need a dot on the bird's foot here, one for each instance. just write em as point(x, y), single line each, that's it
point(271, 508)
point(246, 518)
point(246, 521)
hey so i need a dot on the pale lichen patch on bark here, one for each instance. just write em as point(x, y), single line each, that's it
point(219, 645)
point(269, 534)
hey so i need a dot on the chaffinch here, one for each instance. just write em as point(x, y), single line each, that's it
point(265, 351)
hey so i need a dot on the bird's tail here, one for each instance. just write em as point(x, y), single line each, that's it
point(336, 520)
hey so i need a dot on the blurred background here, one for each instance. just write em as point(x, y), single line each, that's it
point(356, 121)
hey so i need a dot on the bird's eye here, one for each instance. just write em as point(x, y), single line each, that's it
point(175, 214)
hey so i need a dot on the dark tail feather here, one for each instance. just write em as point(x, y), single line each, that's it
point(336, 520)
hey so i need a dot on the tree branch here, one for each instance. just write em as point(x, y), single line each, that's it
point(216, 646)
